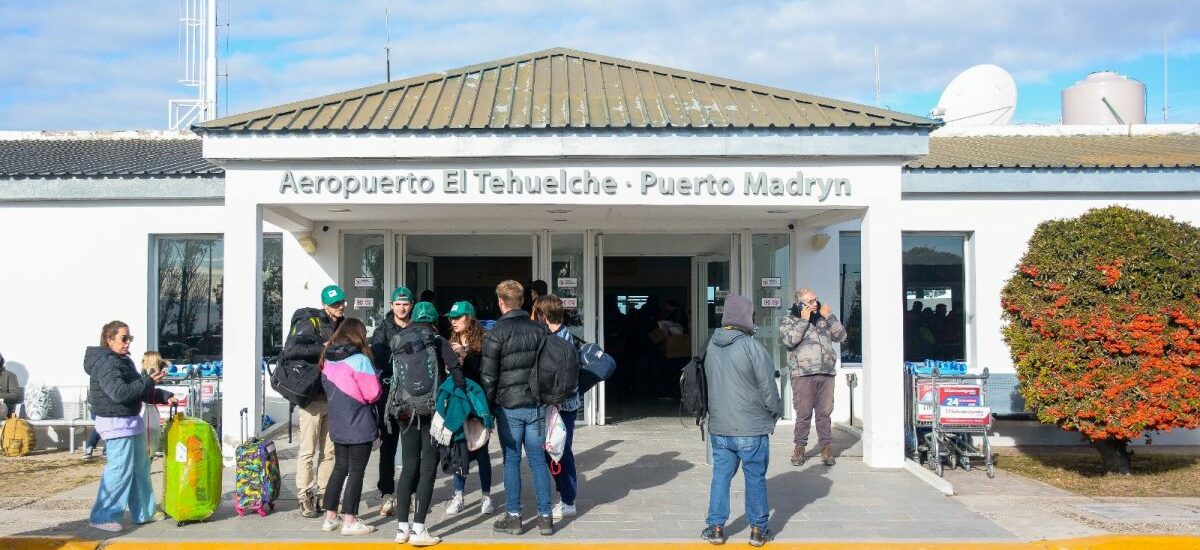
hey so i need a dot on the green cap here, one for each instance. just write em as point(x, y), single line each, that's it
point(402, 293)
point(461, 308)
point(332, 294)
point(424, 312)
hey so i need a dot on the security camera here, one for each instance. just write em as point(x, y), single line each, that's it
point(324, 228)
point(791, 227)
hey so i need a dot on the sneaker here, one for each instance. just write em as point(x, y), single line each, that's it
point(357, 528)
point(562, 510)
point(508, 524)
point(87, 453)
point(827, 456)
point(545, 525)
point(714, 534)
point(158, 516)
point(331, 525)
point(798, 458)
point(486, 505)
point(424, 538)
point(760, 536)
point(401, 535)
point(456, 505)
point(111, 527)
point(388, 506)
point(319, 503)
point(308, 508)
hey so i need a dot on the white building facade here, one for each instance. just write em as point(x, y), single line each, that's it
point(577, 166)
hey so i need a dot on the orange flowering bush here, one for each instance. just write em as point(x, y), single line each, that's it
point(1103, 325)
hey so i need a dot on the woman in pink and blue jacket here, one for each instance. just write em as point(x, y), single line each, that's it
point(351, 386)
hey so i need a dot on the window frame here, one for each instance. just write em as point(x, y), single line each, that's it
point(152, 305)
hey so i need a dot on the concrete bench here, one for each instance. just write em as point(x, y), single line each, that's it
point(69, 424)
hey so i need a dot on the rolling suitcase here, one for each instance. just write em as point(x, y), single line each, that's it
point(257, 474)
point(192, 471)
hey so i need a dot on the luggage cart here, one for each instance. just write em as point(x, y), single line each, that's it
point(945, 414)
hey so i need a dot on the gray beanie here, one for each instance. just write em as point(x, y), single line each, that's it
point(739, 312)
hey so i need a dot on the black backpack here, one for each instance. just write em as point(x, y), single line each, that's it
point(555, 373)
point(416, 373)
point(298, 381)
point(693, 390)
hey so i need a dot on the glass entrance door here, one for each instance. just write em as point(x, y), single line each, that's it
point(710, 284)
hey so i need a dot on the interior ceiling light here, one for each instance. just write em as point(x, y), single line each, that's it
point(339, 210)
point(558, 211)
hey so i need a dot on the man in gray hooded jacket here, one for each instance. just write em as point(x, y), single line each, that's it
point(743, 406)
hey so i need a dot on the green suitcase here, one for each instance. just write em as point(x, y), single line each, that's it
point(192, 471)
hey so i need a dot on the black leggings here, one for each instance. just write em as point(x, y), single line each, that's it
point(417, 470)
point(348, 461)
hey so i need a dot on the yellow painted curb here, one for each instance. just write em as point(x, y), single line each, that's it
point(46, 543)
point(1104, 542)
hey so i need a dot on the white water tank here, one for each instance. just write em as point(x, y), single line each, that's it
point(1105, 97)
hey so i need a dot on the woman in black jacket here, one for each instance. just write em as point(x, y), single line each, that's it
point(116, 393)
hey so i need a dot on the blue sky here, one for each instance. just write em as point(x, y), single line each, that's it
point(69, 64)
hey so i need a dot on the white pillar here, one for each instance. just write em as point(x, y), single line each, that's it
point(883, 337)
point(242, 319)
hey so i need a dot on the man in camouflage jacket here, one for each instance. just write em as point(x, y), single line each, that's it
point(808, 332)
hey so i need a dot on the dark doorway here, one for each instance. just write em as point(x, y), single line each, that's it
point(647, 329)
point(474, 279)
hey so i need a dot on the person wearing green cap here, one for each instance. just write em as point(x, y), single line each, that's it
point(311, 329)
point(466, 340)
point(418, 452)
point(394, 321)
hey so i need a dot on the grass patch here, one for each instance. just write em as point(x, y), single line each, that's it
point(1154, 475)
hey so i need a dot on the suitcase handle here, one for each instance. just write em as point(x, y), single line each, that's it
point(242, 413)
point(172, 409)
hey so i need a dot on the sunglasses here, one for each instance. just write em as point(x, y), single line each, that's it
point(125, 339)
point(340, 304)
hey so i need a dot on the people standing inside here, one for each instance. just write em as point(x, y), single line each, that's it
point(396, 320)
point(466, 339)
point(351, 389)
point(418, 451)
point(311, 329)
point(743, 406)
point(808, 332)
point(116, 393)
point(536, 289)
point(509, 353)
point(548, 310)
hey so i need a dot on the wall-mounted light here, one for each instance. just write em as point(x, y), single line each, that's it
point(820, 240)
point(307, 243)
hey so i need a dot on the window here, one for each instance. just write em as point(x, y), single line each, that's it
point(934, 292)
point(190, 288)
point(272, 281)
point(850, 273)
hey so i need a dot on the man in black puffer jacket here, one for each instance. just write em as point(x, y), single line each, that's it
point(509, 353)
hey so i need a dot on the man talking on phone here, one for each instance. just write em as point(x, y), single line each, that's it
point(809, 331)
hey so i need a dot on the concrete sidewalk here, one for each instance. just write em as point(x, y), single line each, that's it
point(641, 480)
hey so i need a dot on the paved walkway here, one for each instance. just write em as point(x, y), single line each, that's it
point(645, 480)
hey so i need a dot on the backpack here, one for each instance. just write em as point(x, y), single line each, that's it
point(416, 373)
point(693, 390)
point(555, 373)
point(298, 381)
point(17, 437)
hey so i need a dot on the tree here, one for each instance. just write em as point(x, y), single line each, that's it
point(1103, 325)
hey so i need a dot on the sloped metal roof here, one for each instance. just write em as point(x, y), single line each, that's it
point(1046, 151)
point(563, 88)
point(51, 156)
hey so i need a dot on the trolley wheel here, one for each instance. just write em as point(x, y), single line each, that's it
point(940, 469)
point(965, 463)
point(991, 471)
point(262, 511)
point(272, 506)
point(952, 458)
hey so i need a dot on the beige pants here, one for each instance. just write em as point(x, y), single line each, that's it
point(314, 444)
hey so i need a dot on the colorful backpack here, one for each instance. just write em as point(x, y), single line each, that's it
point(192, 470)
point(257, 479)
point(17, 436)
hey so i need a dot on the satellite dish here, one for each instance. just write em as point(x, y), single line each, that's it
point(984, 95)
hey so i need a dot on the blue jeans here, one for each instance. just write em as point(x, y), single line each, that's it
point(753, 452)
point(125, 482)
point(566, 482)
point(519, 428)
point(484, 462)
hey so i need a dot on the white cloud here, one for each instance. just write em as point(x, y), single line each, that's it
point(76, 55)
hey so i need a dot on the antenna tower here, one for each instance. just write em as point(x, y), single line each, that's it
point(198, 54)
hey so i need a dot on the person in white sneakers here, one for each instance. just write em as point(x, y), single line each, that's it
point(467, 343)
point(548, 310)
